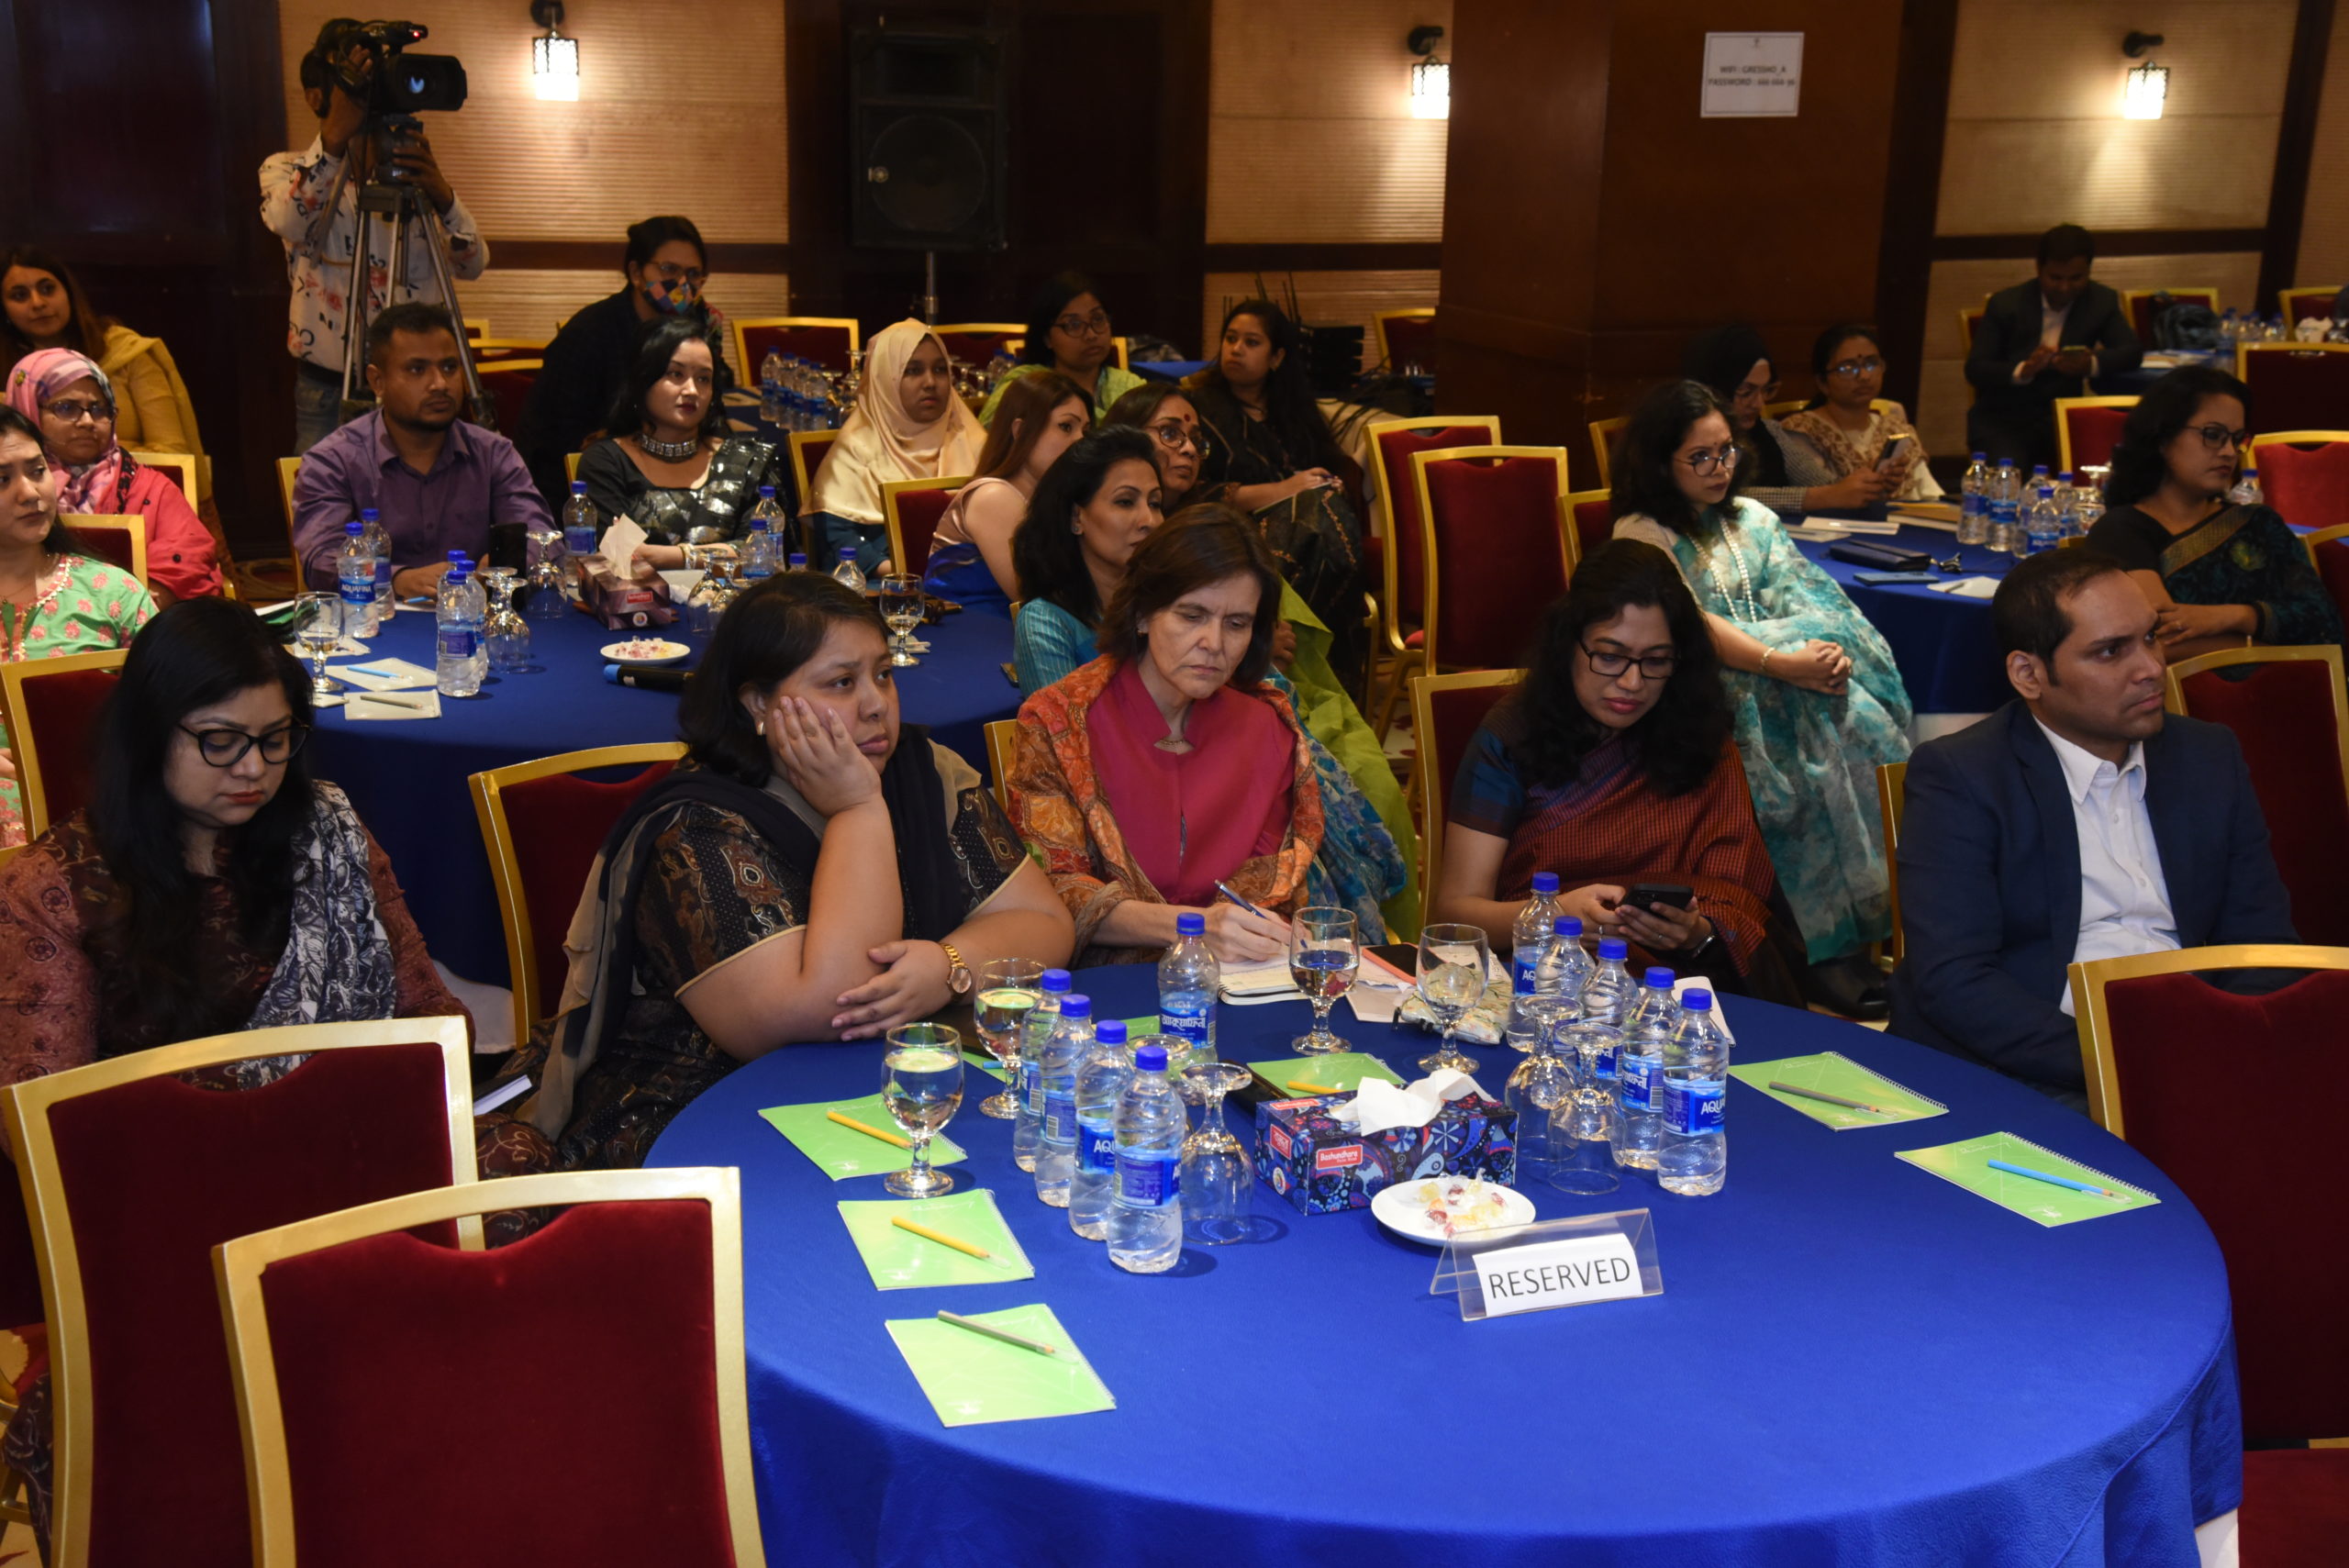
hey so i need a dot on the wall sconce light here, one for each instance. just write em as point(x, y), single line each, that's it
point(1430, 77)
point(554, 60)
point(2147, 87)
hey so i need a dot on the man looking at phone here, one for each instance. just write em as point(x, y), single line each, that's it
point(2039, 341)
point(294, 190)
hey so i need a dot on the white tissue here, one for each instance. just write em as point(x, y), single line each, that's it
point(1378, 1104)
point(619, 545)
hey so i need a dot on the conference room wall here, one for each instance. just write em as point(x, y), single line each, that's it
point(2324, 233)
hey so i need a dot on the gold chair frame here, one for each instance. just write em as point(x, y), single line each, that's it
point(571, 467)
point(503, 367)
point(1891, 805)
point(2322, 536)
point(475, 326)
point(13, 676)
point(2292, 439)
point(2064, 426)
point(1390, 616)
point(133, 528)
point(893, 488)
point(2173, 683)
point(1430, 569)
point(1378, 321)
point(1003, 742)
point(742, 343)
point(182, 464)
point(1428, 780)
point(2088, 981)
point(289, 471)
point(506, 873)
point(801, 442)
point(27, 1106)
point(1602, 441)
point(2289, 301)
point(239, 1266)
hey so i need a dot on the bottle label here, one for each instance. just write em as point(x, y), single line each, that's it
point(579, 541)
point(1694, 1106)
point(1059, 1116)
point(1031, 1087)
point(1097, 1148)
point(1144, 1182)
point(358, 590)
point(1189, 1023)
point(1522, 968)
point(1635, 1080)
point(1606, 1060)
point(456, 642)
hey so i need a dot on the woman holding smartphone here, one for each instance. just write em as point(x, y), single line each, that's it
point(1848, 429)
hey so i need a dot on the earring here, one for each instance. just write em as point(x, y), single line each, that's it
point(758, 726)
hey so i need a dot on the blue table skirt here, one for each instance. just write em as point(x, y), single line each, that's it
point(1170, 370)
point(1852, 1361)
point(407, 777)
point(1948, 658)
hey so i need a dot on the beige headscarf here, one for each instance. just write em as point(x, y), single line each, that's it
point(881, 441)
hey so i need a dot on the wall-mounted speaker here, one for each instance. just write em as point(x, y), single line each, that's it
point(926, 139)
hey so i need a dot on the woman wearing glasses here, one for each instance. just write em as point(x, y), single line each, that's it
point(1068, 334)
point(1039, 417)
point(2222, 574)
point(1849, 433)
point(1815, 700)
point(1612, 766)
point(1783, 474)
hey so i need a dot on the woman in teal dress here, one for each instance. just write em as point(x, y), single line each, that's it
point(1819, 703)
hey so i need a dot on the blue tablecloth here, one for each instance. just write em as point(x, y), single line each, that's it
point(1853, 1361)
point(1170, 370)
point(1942, 642)
point(407, 777)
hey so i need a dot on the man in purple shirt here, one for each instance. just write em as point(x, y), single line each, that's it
point(438, 482)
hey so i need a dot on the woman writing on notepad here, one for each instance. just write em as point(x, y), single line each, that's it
point(1847, 430)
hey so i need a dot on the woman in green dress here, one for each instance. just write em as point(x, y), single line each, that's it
point(1819, 703)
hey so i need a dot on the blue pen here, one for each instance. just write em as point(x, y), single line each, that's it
point(1227, 892)
point(2052, 1180)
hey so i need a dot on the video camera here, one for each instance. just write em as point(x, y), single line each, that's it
point(393, 82)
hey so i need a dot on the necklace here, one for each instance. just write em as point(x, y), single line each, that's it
point(668, 452)
point(1712, 569)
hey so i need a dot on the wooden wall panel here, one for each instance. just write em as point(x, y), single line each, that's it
point(1327, 299)
point(2324, 233)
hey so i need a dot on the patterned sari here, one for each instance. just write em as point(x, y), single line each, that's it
point(2244, 555)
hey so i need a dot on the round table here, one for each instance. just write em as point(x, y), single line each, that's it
point(1852, 1360)
point(406, 777)
point(1941, 642)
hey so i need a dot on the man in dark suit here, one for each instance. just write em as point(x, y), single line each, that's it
point(2042, 341)
point(2077, 822)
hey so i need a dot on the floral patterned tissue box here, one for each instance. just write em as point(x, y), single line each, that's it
point(1321, 1165)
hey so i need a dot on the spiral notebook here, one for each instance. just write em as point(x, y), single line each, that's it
point(1967, 1164)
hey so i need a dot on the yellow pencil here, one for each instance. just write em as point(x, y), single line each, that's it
point(924, 1231)
point(1299, 1085)
point(869, 1131)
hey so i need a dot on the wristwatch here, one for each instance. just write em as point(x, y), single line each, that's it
point(958, 974)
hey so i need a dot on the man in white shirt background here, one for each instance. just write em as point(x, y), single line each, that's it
point(2078, 822)
point(2042, 341)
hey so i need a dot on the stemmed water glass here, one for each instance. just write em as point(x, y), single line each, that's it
point(921, 1083)
point(1539, 1084)
point(1218, 1178)
point(505, 634)
point(901, 608)
point(1007, 992)
point(1584, 1126)
point(1323, 957)
point(1453, 960)
point(316, 625)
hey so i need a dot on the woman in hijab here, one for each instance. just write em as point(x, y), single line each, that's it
point(73, 402)
point(908, 423)
point(1784, 474)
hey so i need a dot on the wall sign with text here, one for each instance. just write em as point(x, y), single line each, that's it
point(1752, 75)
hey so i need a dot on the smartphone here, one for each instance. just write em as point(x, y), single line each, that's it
point(1892, 448)
point(1652, 896)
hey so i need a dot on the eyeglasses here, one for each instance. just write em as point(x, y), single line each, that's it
point(1085, 326)
point(670, 272)
point(74, 411)
point(1849, 368)
point(2217, 435)
point(1712, 462)
point(1747, 392)
point(226, 748)
point(1175, 435)
point(1655, 666)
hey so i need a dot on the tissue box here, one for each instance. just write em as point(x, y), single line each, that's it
point(1321, 1165)
point(626, 605)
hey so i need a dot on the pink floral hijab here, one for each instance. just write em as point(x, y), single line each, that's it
point(41, 375)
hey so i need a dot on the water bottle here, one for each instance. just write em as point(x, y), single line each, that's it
point(1146, 1214)
point(355, 576)
point(798, 562)
point(1693, 1159)
point(1189, 979)
point(1102, 1075)
point(1639, 1069)
point(2043, 523)
point(1042, 1018)
point(458, 655)
point(846, 572)
point(578, 538)
point(2068, 508)
point(1974, 510)
point(758, 549)
point(1071, 1038)
point(2245, 491)
point(1002, 365)
point(2006, 507)
point(1608, 997)
point(770, 410)
point(1530, 938)
point(379, 545)
point(2230, 329)
point(769, 514)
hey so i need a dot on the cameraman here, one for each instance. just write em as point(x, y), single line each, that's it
point(294, 190)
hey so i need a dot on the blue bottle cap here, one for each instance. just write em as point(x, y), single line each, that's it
point(2038, 468)
point(1190, 925)
point(579, 487)
point(355, 528)
point(848, 553)
point(766, 491)
point(368, 514)
point(1567, 926)
point(1150, 1059)
point(799, 561)
point(1056, 980)
point(1614, 948)
point(1546, 882)
point(455, 556)
point(1110, 1031)
point(1981, 457)
point(2046, 492)
point(1077, 1005)
point(2065, 476)
point(1659, 978)
point(1697, 1001)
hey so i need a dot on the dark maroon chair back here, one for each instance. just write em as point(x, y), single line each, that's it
point(508, 390)
point(1454, 715)
point(917, 515)
point(1496, 530)
point(1594, 524)
point(557, 825)
point(1410, 341)
point(825, 345)
point(2282, 714)
point(2297, 389)
point(2333, 567)
point(2268, 1199)
point(2295, 1507)
point(2307, 486)
point(61, 715)
point(1395, 450)
point(2094, 432)
point(158, 1172)
point(386, 1471)
point(975, 348)
point(20, 1302)
point(112, 546)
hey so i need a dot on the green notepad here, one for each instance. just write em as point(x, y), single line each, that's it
point(1967, 1164)
point(899, 1260)
point(1832, 1073)
point(1342, 1070)
point(1141, 1027)
point(969, 1378)
point(842, 1152)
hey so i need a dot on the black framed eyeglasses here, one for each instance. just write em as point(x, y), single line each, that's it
point(2216, 435)
point(226, 748)
point(670, 272)
point(1175, 435)
point(1747, 391)
point(74, 411)
point(1083, 326)
point(1713, 462)
point(1654, 667)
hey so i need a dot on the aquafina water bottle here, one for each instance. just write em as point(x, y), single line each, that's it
point(771, 409)
point(1146, 1215)
point(2006, 508)
point(458, 655)
point(1694, 1160)
point(1639, 1069)
point(379, 545)
point(1974, 510)
point(848, 573)
point(758, 552)
point(1102, 1075)
point(355, 576)
point(1529, 940)
point(768, 515)
point(1071, 1038)
point(578, 537)
point(1189, 980)
point(2043, 523)
point(1035, 1029)
point(1609, 997)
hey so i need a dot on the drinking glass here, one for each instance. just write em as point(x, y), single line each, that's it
point(1323, 956)
point(505, 634)
point(1584, 1126)
point(901, 607)
point(316, 625)
point(1453, 960)
point(1008, 990)
point(921, 1083)
point(1541, 1083)
point(1219, 1180)
point(546, 597)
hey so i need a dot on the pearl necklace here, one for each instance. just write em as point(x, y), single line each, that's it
point(668, 452)
point(1745, 579)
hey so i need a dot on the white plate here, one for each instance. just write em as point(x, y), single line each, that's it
point(671, 651)
point(1402, 1209)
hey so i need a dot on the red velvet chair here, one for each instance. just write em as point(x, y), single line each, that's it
point(619, 1429)
point(911, 509)
point(1392, 443)
point(542, 824)
point(49, 710)
point(1406, 338)
point(809, 448)
point(1495, 547)
point(2305, 475)
point(2295, 387)
point(2329, 551)
point(2145, 317)
point(2294, 1508)
point(827, 340)
point(2288, 710)
point(1445, 712)
point(1594, 520)
point(133, 1174)
point(116, 541)
point(977, 342)
point(2086, 429)
point(2164, 1050)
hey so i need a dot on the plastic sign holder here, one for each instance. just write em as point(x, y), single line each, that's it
point(1551, 1263)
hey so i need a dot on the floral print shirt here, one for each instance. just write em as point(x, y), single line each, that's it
point(80, 606)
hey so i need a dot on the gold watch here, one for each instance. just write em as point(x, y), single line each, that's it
point(958, 974)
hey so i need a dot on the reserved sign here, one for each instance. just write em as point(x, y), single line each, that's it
point(1563, 1273)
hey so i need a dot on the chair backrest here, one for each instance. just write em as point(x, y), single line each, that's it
point(351, 1468)
point(1783, 408)
point(1891, 801)
point(1392, 441)
point(131, 1175)
point(2151, 1037)
point(2087, 428)
point(1496, 548)
point(571, 465)
point(2288, 711)
point(543, 823)
point(2142, 314)
point(1122, 349)
point(1969, 322)
point(911, 508)
point(2304, 474)
point(498, 351)
point(1406, 337)
point(508, 383)
point(1003, 739)
point(808, 451)
point(116, 541)
point(181, 466)
point(1603, 434)
point(1445, 712)
point(2329, 551)
point(831, 341)
point(1594, 520)
point(2294, 386)
point(289, 468)
point(976, 342)
point(2298, 304)
point(476, 326)
point(49, 710)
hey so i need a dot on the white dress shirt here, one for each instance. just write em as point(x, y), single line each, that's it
point(2124, 902)
point(2051, 336)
